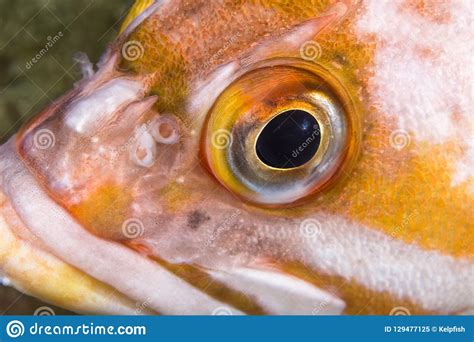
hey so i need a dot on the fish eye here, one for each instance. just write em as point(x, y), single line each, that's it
point(282, 132)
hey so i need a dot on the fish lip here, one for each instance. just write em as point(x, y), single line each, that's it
point(6, 150)
point(13, 165)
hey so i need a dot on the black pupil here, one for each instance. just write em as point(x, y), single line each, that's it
point(289, 140)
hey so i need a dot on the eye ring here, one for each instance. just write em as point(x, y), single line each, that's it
point(246, 107)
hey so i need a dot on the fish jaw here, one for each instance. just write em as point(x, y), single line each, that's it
point(31, 267)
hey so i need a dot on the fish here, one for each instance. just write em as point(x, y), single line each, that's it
point(262, 157)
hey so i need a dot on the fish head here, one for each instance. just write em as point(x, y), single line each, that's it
point(254, 142)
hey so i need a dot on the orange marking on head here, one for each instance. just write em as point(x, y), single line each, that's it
point(104, 211)
point(407, 194)
point(437, 11)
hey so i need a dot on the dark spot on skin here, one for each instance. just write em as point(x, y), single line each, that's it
point(340, 59)
point(196, 218)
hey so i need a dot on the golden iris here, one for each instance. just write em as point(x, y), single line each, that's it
point(281, 132)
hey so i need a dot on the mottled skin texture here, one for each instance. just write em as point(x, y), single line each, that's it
point(416, 169)
point(406, 194)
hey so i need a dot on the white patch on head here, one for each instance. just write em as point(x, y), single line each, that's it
point(465, 167)
point(4, 280)
point(205, 93)
point(85, 65)
point(279, 293)
point(384, 264)
point(87, 114)
point(423, 73)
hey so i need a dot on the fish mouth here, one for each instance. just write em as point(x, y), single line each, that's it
point(28, 262)
point(93, 275)
point(58, 233)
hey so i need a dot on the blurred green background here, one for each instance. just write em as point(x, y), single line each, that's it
point(26, 25)
point(26, 28)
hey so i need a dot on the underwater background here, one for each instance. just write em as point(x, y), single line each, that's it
point(38, 39)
